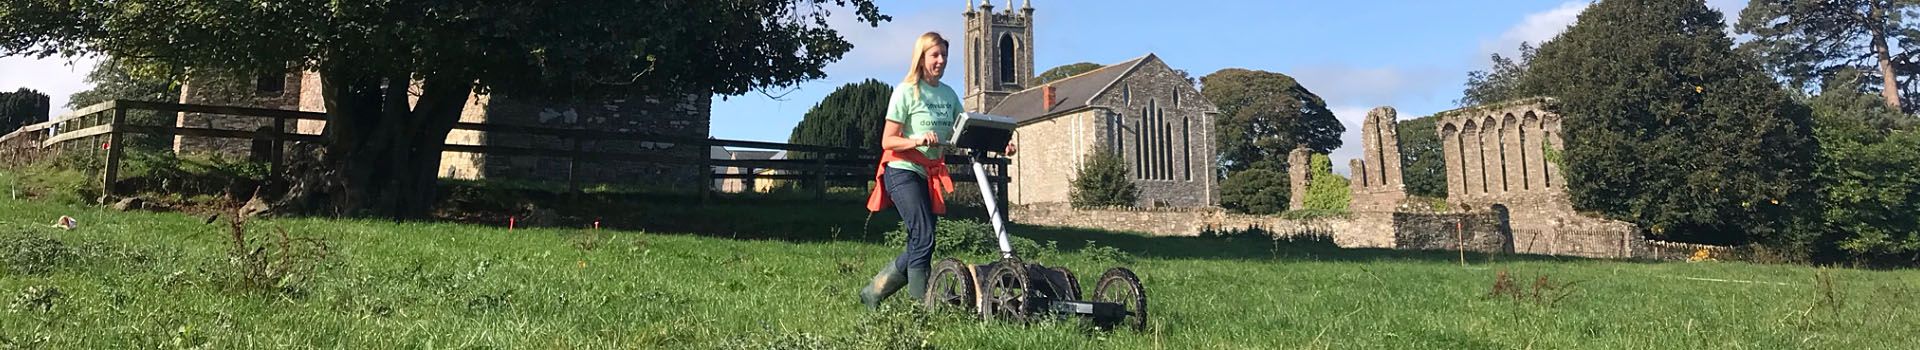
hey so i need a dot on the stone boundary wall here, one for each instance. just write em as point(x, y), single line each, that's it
point(1494, 229)
point(1485, 232)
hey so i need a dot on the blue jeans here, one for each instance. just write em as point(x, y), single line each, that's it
point(908, 190)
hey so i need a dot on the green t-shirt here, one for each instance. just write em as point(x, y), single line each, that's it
point(933, 110)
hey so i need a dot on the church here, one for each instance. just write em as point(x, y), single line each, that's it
point(1141, 109)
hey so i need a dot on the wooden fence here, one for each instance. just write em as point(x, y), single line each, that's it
point(99, 127)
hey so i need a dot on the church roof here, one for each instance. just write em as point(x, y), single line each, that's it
point(1070, 93)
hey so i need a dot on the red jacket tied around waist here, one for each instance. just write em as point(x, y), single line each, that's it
point(938, 180)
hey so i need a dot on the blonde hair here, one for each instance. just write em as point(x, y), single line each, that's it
point(916, 73)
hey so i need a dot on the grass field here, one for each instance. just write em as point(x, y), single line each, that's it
point(165, 280)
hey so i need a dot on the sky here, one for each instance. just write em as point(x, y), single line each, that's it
point(1357, 55)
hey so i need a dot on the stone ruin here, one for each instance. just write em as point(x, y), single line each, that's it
point(1505, 195)
point(1502, 156)
point(1376, 184)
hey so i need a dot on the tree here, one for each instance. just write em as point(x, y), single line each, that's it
point(1804, 41)
point(1668, 127)
point(1500, 82)
point(1102, 182)
point(396, 75)
point(1869, 175)
point(117, 78)
point(1424, 168)
point(1265, 115)
point(1255, 191)
point(1063, 72)
point(22, 108)
point(851, 117)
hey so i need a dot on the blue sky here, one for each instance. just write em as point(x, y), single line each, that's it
point(1412, 55)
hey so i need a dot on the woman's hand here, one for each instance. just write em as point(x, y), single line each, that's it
point(928, 139)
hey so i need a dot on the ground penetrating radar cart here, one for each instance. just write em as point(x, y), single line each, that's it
point(1017, 290)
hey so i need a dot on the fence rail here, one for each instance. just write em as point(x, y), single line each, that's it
point(105, 123)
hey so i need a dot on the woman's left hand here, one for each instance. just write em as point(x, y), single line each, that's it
point(1011, 149)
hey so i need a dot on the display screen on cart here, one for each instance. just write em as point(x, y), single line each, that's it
point(981, 131)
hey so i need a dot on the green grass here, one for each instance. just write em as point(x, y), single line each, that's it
point(159, 280)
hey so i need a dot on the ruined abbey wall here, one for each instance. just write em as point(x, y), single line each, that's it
point(1376, 184)
point(1505, 154)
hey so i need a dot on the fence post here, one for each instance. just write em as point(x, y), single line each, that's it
point(705, 163)
point(573, 166)
point(112, 171)
point(749, 181)
point(820, 176)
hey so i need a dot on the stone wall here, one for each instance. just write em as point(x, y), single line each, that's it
point(1484, 231)
point(1299, 175)
point(1498, 150)
point(1360, 230)
point(684, 116)
point(1496, 155)
point(212, 89)
point(1051, 152)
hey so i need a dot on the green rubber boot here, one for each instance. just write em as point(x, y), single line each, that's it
point(917, 283)
point(884, 284)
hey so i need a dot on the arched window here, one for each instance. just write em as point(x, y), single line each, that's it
point(1006, 58)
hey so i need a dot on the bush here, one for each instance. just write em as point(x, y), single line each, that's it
point(969, 237)
point(1327, 191)
point(1102, 182)
point(1255, 191)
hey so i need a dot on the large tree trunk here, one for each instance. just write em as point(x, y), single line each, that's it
point(1877, 28)
point(383, 151)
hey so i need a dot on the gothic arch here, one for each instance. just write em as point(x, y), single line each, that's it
point(1008, 47)
point(1511, 171)
point(1530, 157)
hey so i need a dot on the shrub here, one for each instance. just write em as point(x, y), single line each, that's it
point(1102, 182)
point(1255, 191)
point(28, 253)
point(1327, 191)
point(969, 237)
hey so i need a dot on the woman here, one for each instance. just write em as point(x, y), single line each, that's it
point(911, 176)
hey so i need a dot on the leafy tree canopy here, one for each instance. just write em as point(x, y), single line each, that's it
point(1668, 127)
point(851, 117)
point(21, 108)
point(397, 74)
point(1061, 72)
point(1805, 41)
point(1264, 115)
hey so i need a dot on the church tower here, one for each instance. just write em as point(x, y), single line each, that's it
point(999, 53)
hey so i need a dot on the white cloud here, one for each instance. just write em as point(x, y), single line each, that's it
point(1541, 26)
point(1351, 92)
point(1351, 117)
point(56, 77)
point(1535, 28)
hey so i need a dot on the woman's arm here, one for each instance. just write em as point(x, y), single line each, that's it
point(891, 138)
